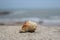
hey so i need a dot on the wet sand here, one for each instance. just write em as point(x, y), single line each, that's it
point(42, 33)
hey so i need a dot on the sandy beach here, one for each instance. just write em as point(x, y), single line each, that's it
point(42, 33)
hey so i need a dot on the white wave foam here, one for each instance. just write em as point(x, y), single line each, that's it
point(55, 17)
point(51, 22)
point(35, 19)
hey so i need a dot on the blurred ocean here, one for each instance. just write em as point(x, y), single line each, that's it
point(48, 16)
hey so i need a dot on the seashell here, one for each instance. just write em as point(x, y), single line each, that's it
point(29, 26)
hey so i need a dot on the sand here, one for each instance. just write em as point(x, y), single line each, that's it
point(42, 33)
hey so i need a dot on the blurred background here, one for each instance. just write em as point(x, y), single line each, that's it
point(15, 11)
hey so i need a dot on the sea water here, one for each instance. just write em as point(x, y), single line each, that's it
point(48, 16)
